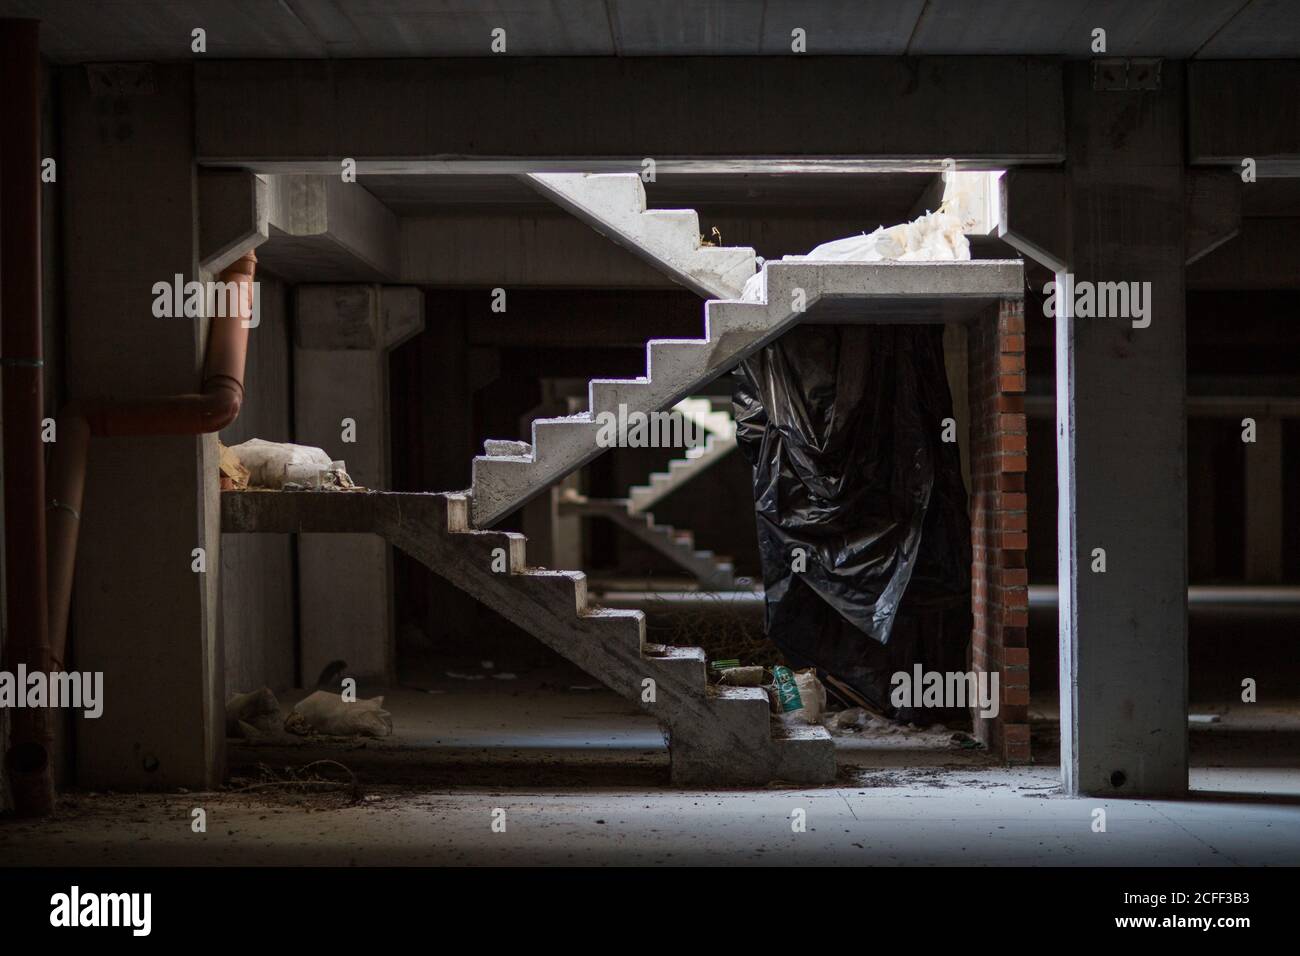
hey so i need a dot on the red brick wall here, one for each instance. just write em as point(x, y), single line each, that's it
point(999, 523)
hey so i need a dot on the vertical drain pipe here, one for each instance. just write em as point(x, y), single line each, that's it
point(27, 761)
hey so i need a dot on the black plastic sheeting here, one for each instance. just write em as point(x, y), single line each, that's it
point(843, 427)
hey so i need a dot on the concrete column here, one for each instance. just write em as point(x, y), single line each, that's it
point(1264, 503)
point(554, 539)
point(257, 594)
point(142, 616)
point(342, 337)
point(1121, 406)
point(1202, 547)
point(956, 363)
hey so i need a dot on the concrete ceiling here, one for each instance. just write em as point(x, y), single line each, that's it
point(78, 30)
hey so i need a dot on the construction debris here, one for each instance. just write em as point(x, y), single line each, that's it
point(797, 698)
point(742, 676)
point(252, 715)
point(234, 476)
point(282, 466)
point(323, 712)
point(305, 779)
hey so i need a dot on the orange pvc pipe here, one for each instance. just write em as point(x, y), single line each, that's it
point(211, 409)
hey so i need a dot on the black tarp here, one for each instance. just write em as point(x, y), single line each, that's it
point(843, 425)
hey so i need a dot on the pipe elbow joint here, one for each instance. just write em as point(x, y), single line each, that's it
point(223, 407)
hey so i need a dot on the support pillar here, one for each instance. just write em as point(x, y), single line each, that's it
point(143, 615)
point(1121, 432)
point(1264, 481)
point(342, 337)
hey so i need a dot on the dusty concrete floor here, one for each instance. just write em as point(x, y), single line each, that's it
point(582, 779)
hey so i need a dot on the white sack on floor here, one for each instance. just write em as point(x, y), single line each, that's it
point(270, 464)
point(325, 712)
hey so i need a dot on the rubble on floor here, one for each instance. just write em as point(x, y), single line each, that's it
point(257, 716)
point(323, 712)
point(252, 715)
point(797, 698)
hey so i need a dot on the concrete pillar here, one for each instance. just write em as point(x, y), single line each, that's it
point(957, 364)
point(1264, 503)
point(257, 594)
point(342, 337)
point(1121, 430)
point(142, 616)
point(554, 538)
point(1202, 547)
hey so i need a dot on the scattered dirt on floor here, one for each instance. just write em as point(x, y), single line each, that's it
point(939, 777)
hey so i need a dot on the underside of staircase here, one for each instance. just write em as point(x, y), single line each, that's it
point(716, 735)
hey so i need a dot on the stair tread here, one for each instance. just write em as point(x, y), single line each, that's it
point(675, 652)
point(792, 731)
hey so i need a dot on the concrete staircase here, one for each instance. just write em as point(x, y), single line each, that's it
point(717, 735)
point(669, 239)
point(710, 570)
point(511, 473)
point(720, 441)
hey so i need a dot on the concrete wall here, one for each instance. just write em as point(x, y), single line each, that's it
point(258, 570)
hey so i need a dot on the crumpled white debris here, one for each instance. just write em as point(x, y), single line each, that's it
point(326, 712)
point(934, 237)
point(270, 464)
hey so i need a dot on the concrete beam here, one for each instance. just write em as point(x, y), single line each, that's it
point(1035, 215)
point(1213, 210)
point(233, 216)
point(530, 114)
point(1221, 133)
point(324, 229)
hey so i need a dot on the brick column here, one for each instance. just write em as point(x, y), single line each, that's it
point(999, 523)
